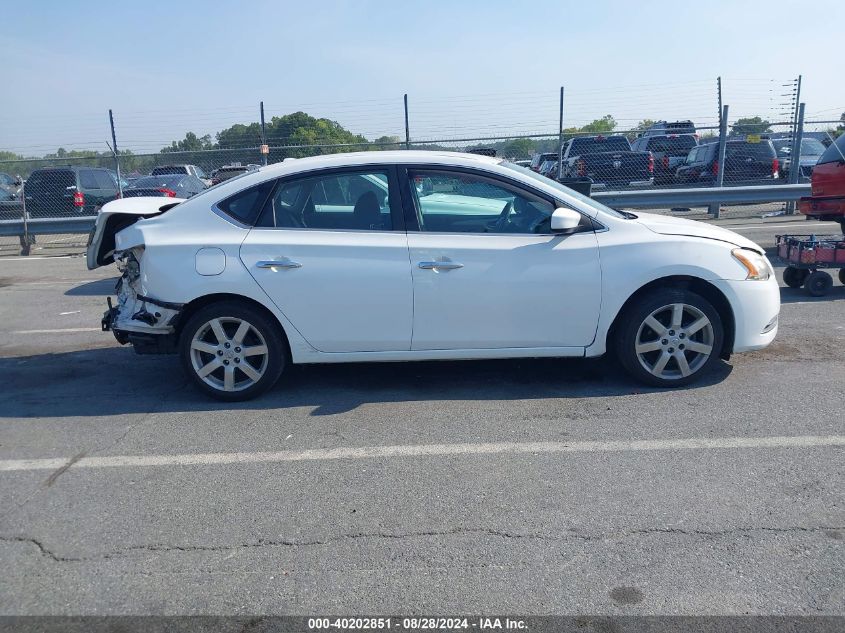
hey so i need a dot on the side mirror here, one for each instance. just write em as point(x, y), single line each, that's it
point(565, 219)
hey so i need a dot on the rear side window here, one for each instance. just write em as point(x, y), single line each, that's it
point(834, 153)
point(246, 205)
point(87, 179)
point(169, 169)
point(105, 180)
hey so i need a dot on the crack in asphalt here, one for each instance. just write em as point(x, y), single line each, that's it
point(52, 555)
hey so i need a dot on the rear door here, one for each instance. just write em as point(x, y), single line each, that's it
point(331, 252)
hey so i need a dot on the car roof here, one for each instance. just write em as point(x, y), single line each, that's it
point(350, 159)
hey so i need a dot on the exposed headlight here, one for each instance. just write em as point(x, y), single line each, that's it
point(756, 265)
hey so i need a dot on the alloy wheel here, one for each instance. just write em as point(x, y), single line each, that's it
point(229, 354)
point(674, 341)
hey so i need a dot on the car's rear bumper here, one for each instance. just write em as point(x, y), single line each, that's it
point(821, 206)
point(756, 306)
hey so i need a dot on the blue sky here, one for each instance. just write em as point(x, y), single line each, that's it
point(470, 68)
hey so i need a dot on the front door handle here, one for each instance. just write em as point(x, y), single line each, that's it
point(440, 265)
point(279, 263)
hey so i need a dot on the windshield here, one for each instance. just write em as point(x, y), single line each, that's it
point(585, 200)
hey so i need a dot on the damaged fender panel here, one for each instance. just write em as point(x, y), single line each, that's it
point(116, 216)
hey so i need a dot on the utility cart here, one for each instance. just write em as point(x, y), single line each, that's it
point(805, 256)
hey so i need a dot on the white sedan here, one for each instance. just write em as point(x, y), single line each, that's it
point(403, 256)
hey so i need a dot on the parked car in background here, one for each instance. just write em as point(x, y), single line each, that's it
point(607, 160)
point(662, 128)
point(190, 170)
point(538, 159)
point(53, 192)
point(811, 151)
point(11, 206)
point(669, 152)
point(523, 163)
point(171, 186)
point(352, 258)
point(549, 169)
point(10, 183)
point(746, 160)
point(827, 186)
point(230, 171)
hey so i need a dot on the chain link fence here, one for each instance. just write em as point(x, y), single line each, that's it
point(674, 153)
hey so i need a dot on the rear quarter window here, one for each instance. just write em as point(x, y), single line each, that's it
point(835, 152)
point(88, 179)
point(245, 205)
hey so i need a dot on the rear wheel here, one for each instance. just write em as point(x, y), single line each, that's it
point(669, 338)
point(232, 351)
point(842, 276)
point(818, 283)
point(794, 277)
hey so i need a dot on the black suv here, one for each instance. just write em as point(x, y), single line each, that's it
point(745, 161)
point(669, 151)
point(55, 192)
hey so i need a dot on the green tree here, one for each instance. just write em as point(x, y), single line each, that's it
point(604, 125)
point(518, 148)
point(191, 143)
point(387, 142)
point(751, 125)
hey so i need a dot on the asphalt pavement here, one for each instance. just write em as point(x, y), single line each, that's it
point(529, 486)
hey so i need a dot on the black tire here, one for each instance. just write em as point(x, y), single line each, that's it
point(263, 331)
point(794, 277)
point(631, 324)
point(842, 276)
point(818, 283)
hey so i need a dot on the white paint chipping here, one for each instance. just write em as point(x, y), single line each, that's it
point(425, 450)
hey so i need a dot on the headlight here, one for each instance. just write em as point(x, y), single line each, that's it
point(756, 265)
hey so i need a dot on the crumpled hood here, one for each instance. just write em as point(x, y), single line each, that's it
point(667, 225)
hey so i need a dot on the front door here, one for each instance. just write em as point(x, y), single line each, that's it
point(489, 273)
point(331, 252)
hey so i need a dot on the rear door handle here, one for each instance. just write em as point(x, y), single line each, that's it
point(440, 265)
point(279, 263)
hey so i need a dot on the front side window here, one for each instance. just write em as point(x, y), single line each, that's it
point(453, 202)
point(340, 201)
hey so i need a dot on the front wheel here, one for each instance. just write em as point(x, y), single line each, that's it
point(669, 338)
point(232, 351)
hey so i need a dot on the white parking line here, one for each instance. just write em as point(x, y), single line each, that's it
point(58, 331)
point(424, 450)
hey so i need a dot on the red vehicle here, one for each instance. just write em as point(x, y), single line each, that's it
point(827, 186)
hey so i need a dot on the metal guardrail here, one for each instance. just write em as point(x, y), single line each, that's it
point(47, 226)
point(639, 199)
point(701, 197)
